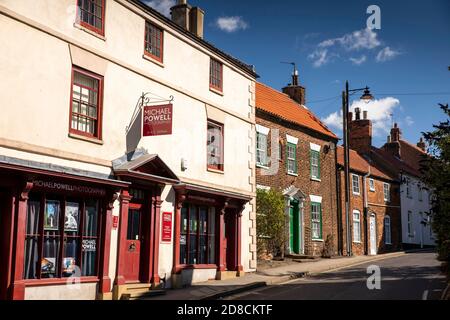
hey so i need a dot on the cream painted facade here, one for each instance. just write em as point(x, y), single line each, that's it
point(41, 42)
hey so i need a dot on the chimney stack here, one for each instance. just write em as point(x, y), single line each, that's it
point(189, 18)
point(421, 144)
point(393, 144)
point(360, 132)
point(294, 90)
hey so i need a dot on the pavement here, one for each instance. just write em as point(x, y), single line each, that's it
point(412, 276)
point(215, 289)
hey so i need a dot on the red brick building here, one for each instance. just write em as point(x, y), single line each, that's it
point(374, 207)
point(296, 154)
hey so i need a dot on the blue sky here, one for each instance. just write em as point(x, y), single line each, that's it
point(328, 40)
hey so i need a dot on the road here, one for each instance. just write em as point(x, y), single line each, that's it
point(414, 276)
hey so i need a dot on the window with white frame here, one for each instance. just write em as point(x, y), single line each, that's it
point(371, 185)
point(356, 226)
point(408, 187)
point(410, 224)
point(261, 149)
point(387, 230)
point(291, 155)
point(387, 192)
point(316, 220)
point(315, 164)
point(355, 184)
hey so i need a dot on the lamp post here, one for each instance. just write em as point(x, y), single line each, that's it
point(367, 96)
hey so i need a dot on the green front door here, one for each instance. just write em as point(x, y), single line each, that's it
point(294, 227)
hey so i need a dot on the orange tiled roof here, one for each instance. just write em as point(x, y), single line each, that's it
point(282, 106)
point(412, 154)
point(358, 163)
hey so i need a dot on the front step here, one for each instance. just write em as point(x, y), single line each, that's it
point(134, 291)
point(141, 294)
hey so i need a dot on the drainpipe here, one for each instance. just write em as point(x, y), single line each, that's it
point(366, 212)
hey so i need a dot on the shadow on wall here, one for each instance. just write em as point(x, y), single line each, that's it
point(134, 131)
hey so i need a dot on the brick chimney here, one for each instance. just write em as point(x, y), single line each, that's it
point(360, 132)
point(294, 90)
point(421, 144)
point(188, 17)
point(393, 144)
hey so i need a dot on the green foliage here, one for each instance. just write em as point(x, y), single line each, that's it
point(271, 221)
point(436, 174)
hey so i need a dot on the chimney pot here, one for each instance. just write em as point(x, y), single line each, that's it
point(365, 114)
point(357, 113)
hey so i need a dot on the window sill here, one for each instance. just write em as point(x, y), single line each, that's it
point(388, 243)
point(215, 171)
point(93, 33)
point(316, 179)
point(357, 242)
point(149, 58)
point(292, 174)
point(216, 91)
point(356, 194)
point(317, 240)
point(262, 166)
point(57, 281)
point(372, 190)
point(198, 266)
point(87, 139)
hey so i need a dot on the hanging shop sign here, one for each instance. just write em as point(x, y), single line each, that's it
point(157, 120)
point(166, 227)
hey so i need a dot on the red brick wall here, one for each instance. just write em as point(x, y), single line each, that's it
point(326, 188)
point(380, 208)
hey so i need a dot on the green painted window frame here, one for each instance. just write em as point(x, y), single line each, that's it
point(320, 225)
point(312, 155)
point(293, 145)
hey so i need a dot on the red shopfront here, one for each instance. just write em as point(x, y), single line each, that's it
point(55, 228)
point(140, 225)
point(208, 230)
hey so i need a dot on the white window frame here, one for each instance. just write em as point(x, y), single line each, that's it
point(410, 224)
point(261, 151)
point(387, 231)
point(386, 192)
point(353, 185)
point(372, 184)
point(356, 230)
point(291, 160)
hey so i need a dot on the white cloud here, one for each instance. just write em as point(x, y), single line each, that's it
point(379, 111)
point(163, 6)
point(231, 24)
point(387, 54)
point(358, 61)
point(409, 121)
point(357, 40)
point(365, 39)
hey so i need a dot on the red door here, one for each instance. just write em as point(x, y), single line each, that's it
point(133, 244)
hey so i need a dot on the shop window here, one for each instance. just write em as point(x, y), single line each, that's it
point(85, 111)
point(61, 237)
point(91, 15)
point(215, 146)
point(216, 75)
point(197, 235)
point(153, 41)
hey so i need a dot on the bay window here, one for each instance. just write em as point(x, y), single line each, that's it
point(197, 235)
point(62, 236)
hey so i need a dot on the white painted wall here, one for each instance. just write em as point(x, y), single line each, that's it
point(420, 234)
point(39, 45)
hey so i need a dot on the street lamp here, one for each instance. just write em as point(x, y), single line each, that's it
point(367, 96)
